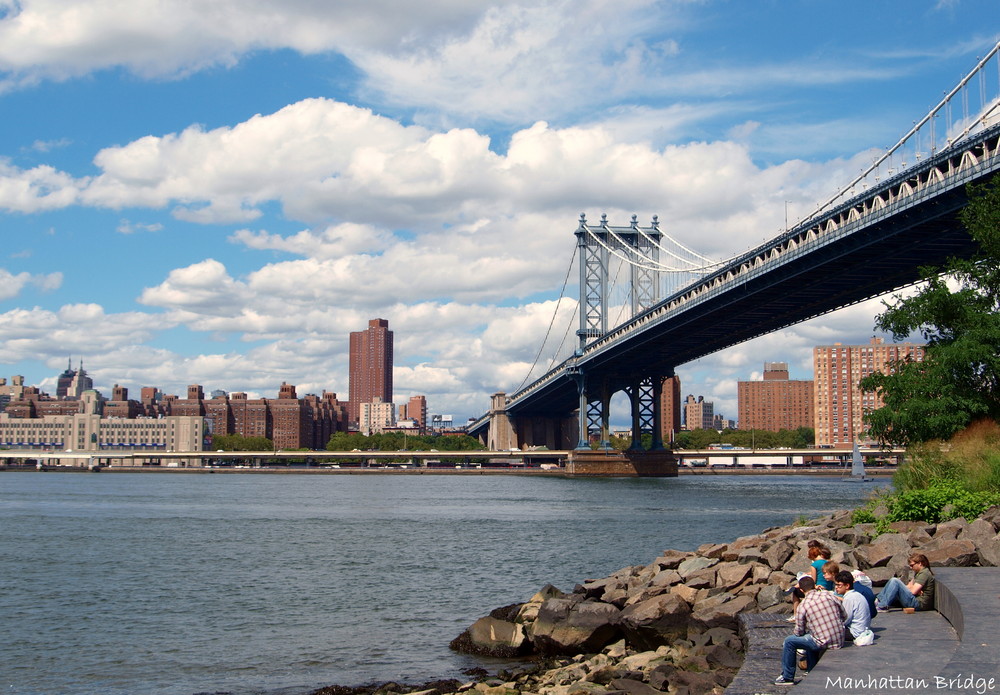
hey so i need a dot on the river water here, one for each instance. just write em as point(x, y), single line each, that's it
point(121, 584)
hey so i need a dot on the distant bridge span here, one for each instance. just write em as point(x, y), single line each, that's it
point(871, 244)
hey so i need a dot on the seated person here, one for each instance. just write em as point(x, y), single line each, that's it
point(918, 593)
point(796, 595)
point(819, 625)
point(858, 616)
point(863, 585)
point(829, 570)
point(819, 555)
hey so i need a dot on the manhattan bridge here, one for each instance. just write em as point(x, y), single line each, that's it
point(648, 304)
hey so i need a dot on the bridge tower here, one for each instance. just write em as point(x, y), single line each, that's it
point(639, 248)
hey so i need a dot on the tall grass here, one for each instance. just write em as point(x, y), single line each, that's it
point(942, 480)
point(971, 458)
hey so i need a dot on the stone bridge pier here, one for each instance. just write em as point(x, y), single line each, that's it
point(507, 432)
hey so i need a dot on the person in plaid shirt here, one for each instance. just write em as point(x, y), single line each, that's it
point(819, 625)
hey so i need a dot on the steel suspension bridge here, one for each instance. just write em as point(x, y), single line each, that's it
point(870, 238)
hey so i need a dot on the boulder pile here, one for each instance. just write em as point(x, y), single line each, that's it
point(671, 626)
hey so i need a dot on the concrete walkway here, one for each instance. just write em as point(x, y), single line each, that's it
point(954, 650)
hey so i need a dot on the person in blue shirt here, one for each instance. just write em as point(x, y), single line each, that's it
point(819, 555)
point(858, 617)
point(863, 585)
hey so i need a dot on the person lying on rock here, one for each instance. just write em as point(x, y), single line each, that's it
point(918, 593)
point(858, 619)
point(819, 625)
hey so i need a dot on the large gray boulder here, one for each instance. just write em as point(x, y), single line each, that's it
point(695, 564)
point(729, 575)
point(707, 615)
point(882, 551)
point(987, 541)
point(778, 553)
point(992, 516)
point(770, 596)
point(655, 622)
point(951, 553)
point(573, 626)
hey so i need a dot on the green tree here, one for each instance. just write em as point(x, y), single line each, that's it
point(956, 313)
point(237, 442)
point(398, 441)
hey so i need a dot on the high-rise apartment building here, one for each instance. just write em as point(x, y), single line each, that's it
point(670, 408)
point(839, 403)
point(776, 402)
point(699, 414)
point(376, 416)
point(416, 410)
point(370, 367)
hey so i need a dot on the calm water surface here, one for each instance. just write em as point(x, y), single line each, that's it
point(121, 584)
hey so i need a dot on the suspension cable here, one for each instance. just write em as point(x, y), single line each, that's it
point(946, 102)
point(668, 251)
point(555, 312)
point(649, 264)
point(555, 355)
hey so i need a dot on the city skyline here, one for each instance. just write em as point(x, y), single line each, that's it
point(221, 200)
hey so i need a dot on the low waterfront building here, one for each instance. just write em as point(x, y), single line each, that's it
point(288, 421)
point(87, 437)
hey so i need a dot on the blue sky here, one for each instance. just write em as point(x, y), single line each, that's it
point(218, 193)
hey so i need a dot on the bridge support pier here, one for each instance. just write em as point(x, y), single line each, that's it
point(501, 435)
point(622, 464)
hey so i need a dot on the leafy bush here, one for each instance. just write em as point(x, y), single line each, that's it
point(940, 501)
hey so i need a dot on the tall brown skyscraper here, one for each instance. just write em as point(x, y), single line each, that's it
point(370, 366)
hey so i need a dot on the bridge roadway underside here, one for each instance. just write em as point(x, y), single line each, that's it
point(884, 256)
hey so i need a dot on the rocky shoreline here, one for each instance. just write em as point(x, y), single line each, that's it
point(672, 626)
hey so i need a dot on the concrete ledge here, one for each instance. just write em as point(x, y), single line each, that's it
point(910, 650)
point(970, 598)
point(762, 634)
point(953, 650)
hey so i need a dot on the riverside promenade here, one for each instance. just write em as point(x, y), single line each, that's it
point(954, 649)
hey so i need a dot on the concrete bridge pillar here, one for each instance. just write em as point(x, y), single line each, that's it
point(604, 415)
point(583, 420)
point(633, 392)
point(501, 435)
point(657, 415)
